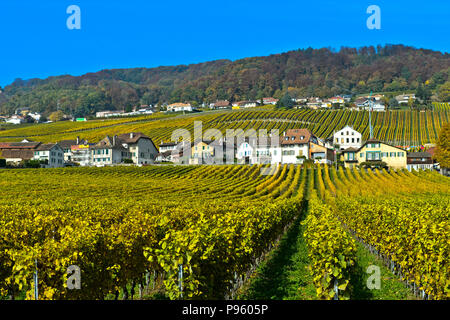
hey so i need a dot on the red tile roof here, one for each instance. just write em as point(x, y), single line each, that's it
point(296, 136)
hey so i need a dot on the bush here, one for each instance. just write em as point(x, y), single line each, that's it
point(32, 164)
point(374, 165)
point(2, 163)
point(128, 161)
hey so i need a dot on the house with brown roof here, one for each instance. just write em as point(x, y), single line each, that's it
point(295, 145)
point(15, 152)
point(221, 104)
point(419, 161)
point(108, 151)
point(140, 146)
point(114, 150)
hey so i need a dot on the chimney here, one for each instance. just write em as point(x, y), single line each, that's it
point(78, 140)
point(114, 140)
point(131, 135)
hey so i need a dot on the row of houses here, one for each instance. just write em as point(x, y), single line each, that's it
point(132, 147)
point(294, 146)
point(354, 152)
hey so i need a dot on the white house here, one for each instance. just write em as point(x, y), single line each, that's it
point(106, 114)
point(222, 104)
point(404, 98)
point(114, 150)
point(337, 99)
point(108, 151)
point(245, 151)
point(35, 115)
point(366, 104)
point(178, 107)
point(269, 100)
point(15, 119)
point(266, 154)
point(51, 153)
point(295, 144)
point(376, 106)
point(245, 104)
point(141, 147)
point(347, 137)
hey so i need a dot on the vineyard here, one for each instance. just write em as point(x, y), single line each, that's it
point(396, 127)
point(130, 229)
point(441, 106)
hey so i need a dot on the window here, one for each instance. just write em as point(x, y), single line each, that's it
point(353, 140)
point(348, 140)
point(399, 154)
point(373, 155)
point(292, 138)
point(357, 139)
point(361, 155)
point(107, 151)
point(286, 138)
point(350, 156)
point(392, 154)
point(337, 140)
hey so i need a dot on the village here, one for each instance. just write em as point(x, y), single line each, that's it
point(376, 102)
point(294, 146)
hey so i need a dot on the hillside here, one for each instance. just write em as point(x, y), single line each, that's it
point(304, 72)
point(399, 127)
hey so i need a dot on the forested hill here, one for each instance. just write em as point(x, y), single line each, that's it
point(306, 72)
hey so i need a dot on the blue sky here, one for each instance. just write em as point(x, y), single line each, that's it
point(36, 43)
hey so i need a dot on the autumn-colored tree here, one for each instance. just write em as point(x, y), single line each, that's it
point(442, 154)
point(444, 92)
point(56, 116)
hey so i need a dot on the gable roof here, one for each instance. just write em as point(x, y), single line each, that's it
point(378, 141)
point(301, 136)
point(18, 154)
point(346, 127)
point(107, 143)
point(19, 145)
point(125, 138)
point(419, 155)
point(67, 144)
point(168, 144)
point(46, 147)
point(221, 103)
point(132, 137)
